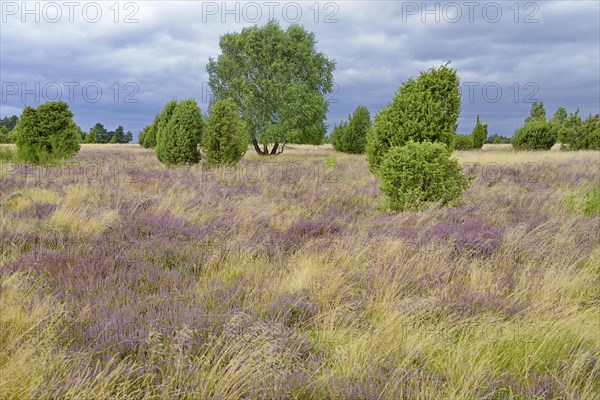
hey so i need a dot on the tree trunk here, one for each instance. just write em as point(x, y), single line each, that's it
point(265, 150)
point(257, 147)
point(274, 149)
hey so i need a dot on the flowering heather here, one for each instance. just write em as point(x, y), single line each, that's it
point(282, 278)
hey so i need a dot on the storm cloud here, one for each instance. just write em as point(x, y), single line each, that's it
point(118, 63)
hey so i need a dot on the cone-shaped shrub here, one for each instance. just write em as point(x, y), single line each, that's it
point(47, 133)
point(352, 137)
point(420, 174)
point(178, 140)
point(150, 133)
point(225, 139)
point(479, 134)
point(423, 110)
point(161, 128)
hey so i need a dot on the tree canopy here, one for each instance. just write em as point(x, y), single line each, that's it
point(278, 81)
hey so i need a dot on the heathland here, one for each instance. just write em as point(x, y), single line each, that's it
point(283, 278)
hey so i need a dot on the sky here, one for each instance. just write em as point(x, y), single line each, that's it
point(118, 63)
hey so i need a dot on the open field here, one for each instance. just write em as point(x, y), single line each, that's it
point(121, 278)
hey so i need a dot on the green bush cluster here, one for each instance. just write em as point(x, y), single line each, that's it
point(409, 147)
point(47, 134)
point(416, 175)
point(351, 137)
point(180, 127)
point(475, 140)
point(576, 134)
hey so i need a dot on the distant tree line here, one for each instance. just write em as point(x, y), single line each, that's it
point(99, 134)
point(570, 130)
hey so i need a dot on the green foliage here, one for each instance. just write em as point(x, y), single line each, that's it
point(497, 139)
point(6, 136)
point(81, 133)
point(420, 174)
point(352, 137)
point(177, 140)
point(150, 133)
point(583, 200)
point(9, 122)
point(558, 120)
point(91, 137)
point(536, 133)
point(330, 163)
point(47, 133)
point(128, 137)
point(278, 81)
point(102, 135)
point(580, 135)
point(225, 139)
point(463, 142)
point(592, 129)
point(479, 134)
point(162, 134)
point(423, 110)
point(118, 136)
point(142, 135)
point(537, 112)
point(337, 134)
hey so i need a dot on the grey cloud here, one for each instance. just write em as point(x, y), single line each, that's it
point(376, 45)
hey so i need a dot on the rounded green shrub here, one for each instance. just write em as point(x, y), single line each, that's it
point(418, 175)
point(178, 141)
point(463, 142)
point(225, 139)
point(535, 134)
point(47, 134)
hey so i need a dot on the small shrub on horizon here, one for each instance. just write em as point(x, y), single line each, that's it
point(576, 134)
point(351, 137)
point(47, 134)
point(419, 174)
point(536, 133)
point(225, 139)
point(479, 134)
point(463, 142)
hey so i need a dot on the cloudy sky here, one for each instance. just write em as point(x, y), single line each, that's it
point(119, 62)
